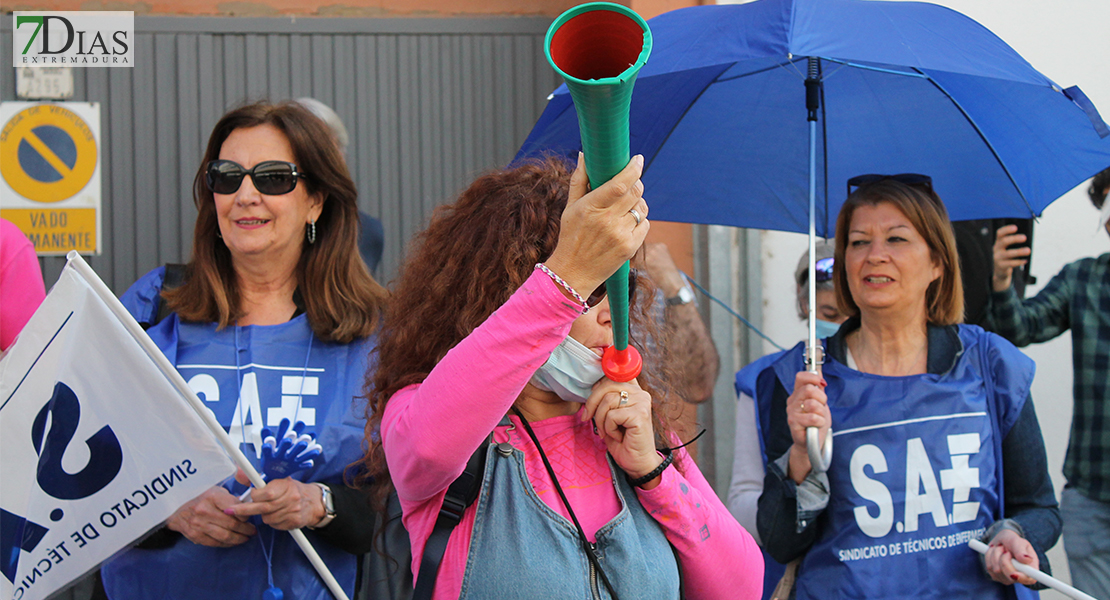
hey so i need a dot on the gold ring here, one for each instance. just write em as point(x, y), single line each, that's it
point(803, 405)
point(636, 215)
point(624, 399)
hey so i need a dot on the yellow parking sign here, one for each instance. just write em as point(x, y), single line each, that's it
point(50, 165)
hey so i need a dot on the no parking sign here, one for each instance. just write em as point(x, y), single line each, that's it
point(50, 167)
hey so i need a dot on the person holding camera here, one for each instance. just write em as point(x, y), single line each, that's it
point(1077, 298)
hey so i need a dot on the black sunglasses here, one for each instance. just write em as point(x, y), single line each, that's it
point(599, 294)
point(911, 179)
point(271, 177)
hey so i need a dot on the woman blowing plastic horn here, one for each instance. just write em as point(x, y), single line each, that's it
point(493, 328)
point(937, 441)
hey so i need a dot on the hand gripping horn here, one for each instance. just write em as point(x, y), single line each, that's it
point(598, 48)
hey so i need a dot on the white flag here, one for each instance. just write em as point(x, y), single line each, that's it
point(97, 446)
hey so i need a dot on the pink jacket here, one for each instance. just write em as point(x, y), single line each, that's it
point(21, 287)
point(429, 431)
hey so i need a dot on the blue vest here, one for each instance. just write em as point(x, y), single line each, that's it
point(916, 473)
point(745, 383)
point(272, 375)
point(520, 548)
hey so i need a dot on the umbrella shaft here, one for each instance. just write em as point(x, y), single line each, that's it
point(812, 339)
point(813, 90)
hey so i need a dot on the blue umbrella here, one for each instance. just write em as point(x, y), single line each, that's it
point(755, 115)
point(719, 112)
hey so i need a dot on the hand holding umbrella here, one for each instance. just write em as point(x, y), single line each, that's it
point(820, 455)
point(807, 410)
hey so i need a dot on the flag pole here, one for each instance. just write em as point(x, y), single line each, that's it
point(74, 260)
point(1038, 576)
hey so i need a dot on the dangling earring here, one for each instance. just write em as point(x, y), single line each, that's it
point(311, 232)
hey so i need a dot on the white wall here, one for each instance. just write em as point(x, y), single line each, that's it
point(1069, 41)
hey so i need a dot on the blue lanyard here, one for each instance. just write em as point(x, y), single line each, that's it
point(273, 592)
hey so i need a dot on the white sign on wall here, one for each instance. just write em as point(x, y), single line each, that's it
point(44, 83)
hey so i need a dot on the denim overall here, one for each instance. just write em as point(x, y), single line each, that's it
point(916, 472)
point(521, 548)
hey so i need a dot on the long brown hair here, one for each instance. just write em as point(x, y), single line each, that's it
point(944, 298)
point(341, 298)
point(474, 254)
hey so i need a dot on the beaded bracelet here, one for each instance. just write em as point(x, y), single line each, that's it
point(566, 286)
point(668, 458)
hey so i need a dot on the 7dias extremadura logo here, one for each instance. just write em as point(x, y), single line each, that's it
point(73, 38)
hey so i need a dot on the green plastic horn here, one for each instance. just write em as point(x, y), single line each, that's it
point(599, 48)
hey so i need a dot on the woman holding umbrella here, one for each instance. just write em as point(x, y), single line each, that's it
point(937, 440)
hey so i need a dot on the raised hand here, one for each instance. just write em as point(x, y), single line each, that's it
point(1007, 257)
point(599, 232)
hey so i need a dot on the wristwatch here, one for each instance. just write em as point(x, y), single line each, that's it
point(685, 295)
point(329, 507)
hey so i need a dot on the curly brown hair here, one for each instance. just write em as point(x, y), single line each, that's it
point(474, 254)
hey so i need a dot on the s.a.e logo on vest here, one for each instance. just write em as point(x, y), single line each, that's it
point(915, 476)
point(922, 491)
point(907, 491)
point(248, 415)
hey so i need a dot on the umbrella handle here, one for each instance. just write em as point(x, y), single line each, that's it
point(598, 48)
point(820, 455)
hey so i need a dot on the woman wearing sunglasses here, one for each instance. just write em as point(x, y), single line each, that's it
point(492, 329)
point(273, 320)
point(937, 441)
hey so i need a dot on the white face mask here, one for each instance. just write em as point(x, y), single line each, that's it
point(570, 372)
point(826, 329)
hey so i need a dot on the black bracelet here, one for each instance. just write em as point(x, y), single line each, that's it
point(668, 458)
